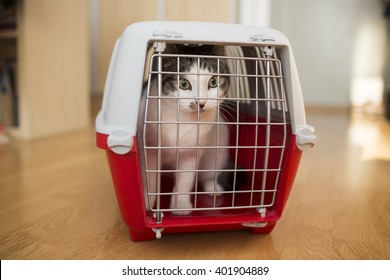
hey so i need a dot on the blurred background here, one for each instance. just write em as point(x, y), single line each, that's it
point(57, 199)
point(54, 54)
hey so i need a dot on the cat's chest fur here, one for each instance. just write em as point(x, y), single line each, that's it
point(178, 129)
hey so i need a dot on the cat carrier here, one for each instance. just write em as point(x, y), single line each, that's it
point(203, 125)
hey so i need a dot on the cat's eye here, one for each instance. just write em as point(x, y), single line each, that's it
point(213, 82)
point(184, 84)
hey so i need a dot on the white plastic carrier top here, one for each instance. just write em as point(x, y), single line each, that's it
point(119, 114)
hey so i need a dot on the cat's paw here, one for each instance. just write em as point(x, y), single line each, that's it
point(213, 188)
point(181, 202)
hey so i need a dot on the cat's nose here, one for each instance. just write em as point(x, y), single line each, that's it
point(202, 104)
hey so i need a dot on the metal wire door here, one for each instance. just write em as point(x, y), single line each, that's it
point(255, 113)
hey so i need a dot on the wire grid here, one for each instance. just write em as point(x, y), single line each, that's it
point(254, 106)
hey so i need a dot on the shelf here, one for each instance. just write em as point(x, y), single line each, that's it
point(51, 73)
point(8, 34)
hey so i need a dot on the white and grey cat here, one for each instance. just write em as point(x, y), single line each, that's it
point(194, 104)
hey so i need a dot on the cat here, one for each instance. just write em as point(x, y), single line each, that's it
point(187, 100)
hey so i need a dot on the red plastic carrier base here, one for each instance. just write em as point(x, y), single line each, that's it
point(126, 174)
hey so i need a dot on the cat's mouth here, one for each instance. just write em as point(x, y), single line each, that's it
point(197, 106)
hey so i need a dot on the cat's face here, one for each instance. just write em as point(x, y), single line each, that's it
point(198, 92)
point(198, 86)
point(198, 89)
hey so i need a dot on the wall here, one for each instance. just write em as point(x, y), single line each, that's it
point(326, 36)
point(339, 45)
point(53, 67)
point(114, 16)
point(197, 10)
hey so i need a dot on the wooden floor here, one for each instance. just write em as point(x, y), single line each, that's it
point(57, 202)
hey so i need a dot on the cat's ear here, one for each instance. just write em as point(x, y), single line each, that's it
point(171, 49)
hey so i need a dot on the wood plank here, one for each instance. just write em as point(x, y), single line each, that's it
point(57, 202)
